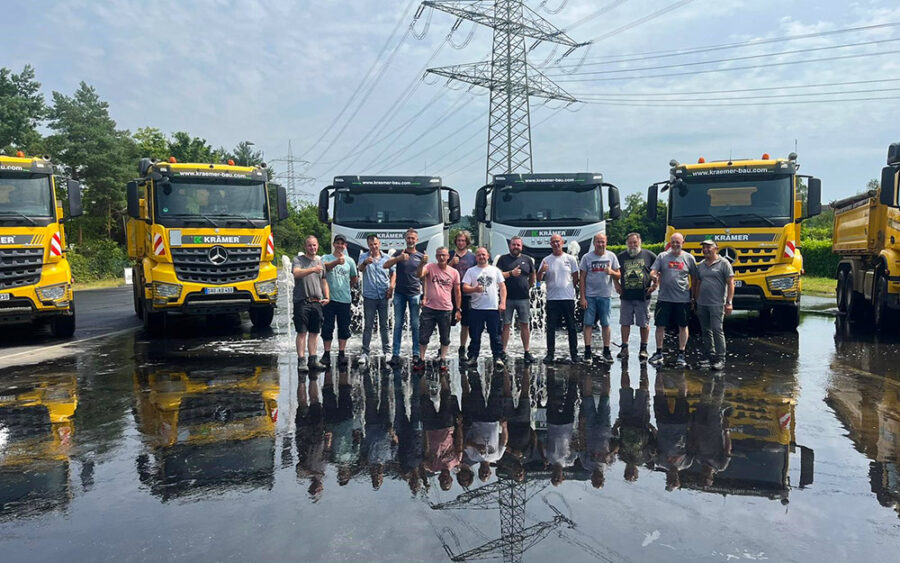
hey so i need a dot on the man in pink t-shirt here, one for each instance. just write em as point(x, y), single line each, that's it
point(442, 297)
point(443, 432)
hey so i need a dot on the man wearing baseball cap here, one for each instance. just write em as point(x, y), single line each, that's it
point(715, 278)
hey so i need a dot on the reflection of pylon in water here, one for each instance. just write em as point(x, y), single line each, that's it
point(511, 497)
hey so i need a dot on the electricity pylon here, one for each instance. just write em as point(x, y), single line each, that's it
point(508, 76)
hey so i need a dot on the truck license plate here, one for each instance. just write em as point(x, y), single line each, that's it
point(4, 296)
point(738, 283)
point(217, 290)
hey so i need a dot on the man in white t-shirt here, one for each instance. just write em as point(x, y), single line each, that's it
point(559, 273)
point(484, 283)
point(598, 270)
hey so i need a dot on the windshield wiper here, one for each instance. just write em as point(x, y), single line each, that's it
point(229, 219)
point(17, 214)
point(192, 217)
point(706, 215)
point(755, 215)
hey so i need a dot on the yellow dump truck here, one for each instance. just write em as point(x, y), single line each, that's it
point(201, 238)
point(752, 209)
point(35, 277)
point(866, 233)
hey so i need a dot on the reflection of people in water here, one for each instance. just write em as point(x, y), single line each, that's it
point(599, 448)
point(672, 429)
point(636, 436)
point(709, 438)
point(557, 446)
point(410, 436)
point(380, 444)
point(484, 423)
point(344, 433)
point(310, 423)
point(522, 444)
point(443, 432)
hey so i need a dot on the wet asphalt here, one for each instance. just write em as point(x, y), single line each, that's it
point(208, 445)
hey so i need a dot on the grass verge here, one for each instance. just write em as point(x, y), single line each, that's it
point(99, 284)
point(823, 287)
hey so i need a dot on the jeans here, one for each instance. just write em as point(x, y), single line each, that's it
point(713, 335)
point(371, 307)
point(400, 304)
point(478, 320)
point(559, 311)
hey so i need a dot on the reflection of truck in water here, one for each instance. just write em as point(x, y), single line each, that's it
point(201, 239)
point(36, 430)
point(753, 209)
point(536, 206)
point(207, 428)
point(866, 229)
point(387, 206)
point(35, 277)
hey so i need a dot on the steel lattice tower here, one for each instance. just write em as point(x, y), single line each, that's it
point(508, 76)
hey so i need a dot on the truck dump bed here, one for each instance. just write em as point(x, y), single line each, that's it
point(859, 224)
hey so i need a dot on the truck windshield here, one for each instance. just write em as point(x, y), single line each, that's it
point(764, 202)
point(562, 205)
point(186, 203)
point(388, 209)
point(24, 197)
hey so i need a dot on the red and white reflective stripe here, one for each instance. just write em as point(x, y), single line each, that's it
point(275, 414)
point(270, 245)
point(789, 249)
point(55, 245)
point(159, 247)
point(785, 420)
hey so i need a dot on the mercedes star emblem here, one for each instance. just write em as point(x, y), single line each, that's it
point(729, 254)
point(218, 255)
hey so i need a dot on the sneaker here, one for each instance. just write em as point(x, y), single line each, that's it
point(568, 361)
point(462, 353)
point(680, 362)
point(718, 365)
point(588, 357)
point(657, 358)
point(703, 364)
point(623, 352)
point(326, 358)
point(315, 365)
point(418, 364)
point(529, 359)
point(342, 359)
point(607, 356)
point(395, 361)
point(498, 362)
point(443, 366)
point(301, 365)
point(471, 362)
point(362, 359)
point(643, 354)
point(548, 359)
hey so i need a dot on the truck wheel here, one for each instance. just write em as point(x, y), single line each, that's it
point(880, 312)
point(154, 322)
point(840, 293)
point(63, 326)
point(262, 317)
point(136, 286)
point(787, 318)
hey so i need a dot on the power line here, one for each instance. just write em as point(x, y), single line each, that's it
point(732, 59)
point(594, 15)
point(446, 138)
point(729, 69)
point(630, 98)
point(784, 87)
point(666, 103)
point(640, 21)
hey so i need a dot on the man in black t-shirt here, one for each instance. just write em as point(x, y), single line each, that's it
point(635, 287)
point(519, 276)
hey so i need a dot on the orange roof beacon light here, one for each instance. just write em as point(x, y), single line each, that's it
point(172, 159)
point(701, 160)
point(765, 156)
point(230, 162)
point(20, 154)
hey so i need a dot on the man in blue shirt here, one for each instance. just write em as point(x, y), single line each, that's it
point(377, 290)
point(407, 293)
point(341, 273)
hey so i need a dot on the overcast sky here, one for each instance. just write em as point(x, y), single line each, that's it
point(274, 71)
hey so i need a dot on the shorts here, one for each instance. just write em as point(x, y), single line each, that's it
point(518, 307)
point(427, 321)
point(670, 314)
point(337, 407)
point(307, 317)
point(634, 312)
point(597, 310)
point(465, 310)
point(335, 310)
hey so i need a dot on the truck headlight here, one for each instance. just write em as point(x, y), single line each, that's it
point(52, 292)
point(782, 283)
point(166, 290)
point(266, 287)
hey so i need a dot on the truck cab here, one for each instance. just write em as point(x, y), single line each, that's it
point(753, 210)
point(35, 276)
point(387, 206)
point(201, 239)
point(536, 206)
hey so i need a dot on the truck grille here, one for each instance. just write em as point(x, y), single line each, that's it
point(20, 266)
point(220, 407)
point(749, 260)
point(193, 265)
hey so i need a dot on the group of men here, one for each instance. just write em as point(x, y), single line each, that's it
point(463, 287)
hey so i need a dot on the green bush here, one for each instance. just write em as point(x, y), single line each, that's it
point(654, 247)
point(97, 260)
point(818, 259)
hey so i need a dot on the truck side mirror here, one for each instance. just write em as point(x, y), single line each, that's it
point(814, 198)
point(131, 195)
point(481, 204)
point(807, 466)
point(453, 203)
point(282, 202)
point(615, 207)
point(889, 186)
point(73, 187)
point(323, 205)
point(652, 201)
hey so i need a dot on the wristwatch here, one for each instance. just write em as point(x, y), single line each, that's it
point(728, 303)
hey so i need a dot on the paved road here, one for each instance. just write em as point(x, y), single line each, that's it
point(100, 312)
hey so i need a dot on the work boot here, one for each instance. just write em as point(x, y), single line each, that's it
point(528, 358)
point(315, 365)
point(326, 358)
point(657, 358)
point(301, 365)
point(623, 352)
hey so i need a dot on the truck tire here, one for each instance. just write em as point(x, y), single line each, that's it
point(787, 317)
point(841, 295)
point(262, 317)
point(136, 286)
point(154, 322)
point(63, 326)
point(881, 314)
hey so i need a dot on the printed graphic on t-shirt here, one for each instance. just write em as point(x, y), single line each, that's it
point(633, 274)
point(485, 280)
point(599, 265)
point(676, 265)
